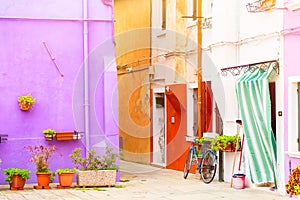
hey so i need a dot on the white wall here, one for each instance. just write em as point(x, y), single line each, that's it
point(237, 37)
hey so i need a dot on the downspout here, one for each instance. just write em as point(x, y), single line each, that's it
point(86, 76)
point(200, 134)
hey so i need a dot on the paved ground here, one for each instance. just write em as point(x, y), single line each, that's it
point(145, 182)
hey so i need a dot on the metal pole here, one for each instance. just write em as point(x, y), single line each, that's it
point(200, 134)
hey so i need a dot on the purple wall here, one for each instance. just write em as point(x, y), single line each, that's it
point(291, 68)
point(26, 67)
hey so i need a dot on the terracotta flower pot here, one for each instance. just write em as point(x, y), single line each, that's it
point(43, 179)
point(229, 148)
point(17, 182)
point(24, 106)
point(66, 179)
point(67, 135)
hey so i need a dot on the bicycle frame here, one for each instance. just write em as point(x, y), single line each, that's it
point(207, 155)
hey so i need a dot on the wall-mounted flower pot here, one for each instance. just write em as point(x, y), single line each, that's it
point(24, 106)
point(67, 135)
point(26, 102)
point(49, 137)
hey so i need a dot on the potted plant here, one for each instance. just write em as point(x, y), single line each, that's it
point(16, 177)
point(65, 177)
point(293, 185)
point(226, 143)
point(49, 133)
point(95, 170)
point(40, 156)
point(26, 101)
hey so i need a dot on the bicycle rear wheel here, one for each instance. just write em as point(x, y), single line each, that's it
point(208, 166)
point(188, 163)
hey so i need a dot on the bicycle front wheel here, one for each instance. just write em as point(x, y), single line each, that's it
point(208, 166)
point(188, 163)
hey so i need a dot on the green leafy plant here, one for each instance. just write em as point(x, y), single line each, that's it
point(26, 101)
point(201, 141)
point(293, 185)
point(65, 170)
point(49, 131)
point(10, 172)
point(93, 161)
point(40, 155)
point(221, 142)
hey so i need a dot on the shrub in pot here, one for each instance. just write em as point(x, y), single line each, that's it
point(16, 177)
point(41, 155)
point(95, 170)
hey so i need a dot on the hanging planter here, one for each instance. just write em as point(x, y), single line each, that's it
point(67, 135)
point(49, 134)
point(26, 102)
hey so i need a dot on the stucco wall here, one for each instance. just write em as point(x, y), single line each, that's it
point(26, 67)
point(291, 69)
point(133, 50)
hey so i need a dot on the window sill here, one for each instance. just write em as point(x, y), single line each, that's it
point(294, 154)
point(161, 33)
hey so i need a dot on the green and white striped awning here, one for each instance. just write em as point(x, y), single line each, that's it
point(255, 107)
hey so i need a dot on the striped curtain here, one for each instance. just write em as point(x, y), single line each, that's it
point(255, 107)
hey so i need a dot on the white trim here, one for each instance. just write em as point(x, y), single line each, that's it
point(293, 154)
point(192, 85)
point(159, 90)
point(293, 5)
point(190, 110)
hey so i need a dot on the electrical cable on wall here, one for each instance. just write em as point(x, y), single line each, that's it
point(254, 38)
point(53, 59)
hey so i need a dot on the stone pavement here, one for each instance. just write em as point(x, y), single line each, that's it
point(145, 182)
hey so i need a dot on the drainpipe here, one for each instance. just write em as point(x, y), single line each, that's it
point(200, 134)
point(86, 76)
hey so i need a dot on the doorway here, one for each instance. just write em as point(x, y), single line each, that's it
point(159, 133)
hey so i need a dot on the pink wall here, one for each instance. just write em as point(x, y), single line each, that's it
point(291, 68)
point(26, 67)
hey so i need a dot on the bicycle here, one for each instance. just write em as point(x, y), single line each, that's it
point(207, 166)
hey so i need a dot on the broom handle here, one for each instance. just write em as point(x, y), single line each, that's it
point(241, 152)
point(232, 173)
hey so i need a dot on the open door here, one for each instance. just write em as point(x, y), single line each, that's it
point(159, 133)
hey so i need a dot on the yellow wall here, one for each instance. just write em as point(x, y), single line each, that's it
point(132, 22)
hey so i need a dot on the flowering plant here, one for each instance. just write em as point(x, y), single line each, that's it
point(41, 156)
point(293, 185)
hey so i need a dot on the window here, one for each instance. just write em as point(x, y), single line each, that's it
point(294, 116)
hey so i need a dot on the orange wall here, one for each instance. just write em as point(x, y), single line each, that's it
point(132, 44)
